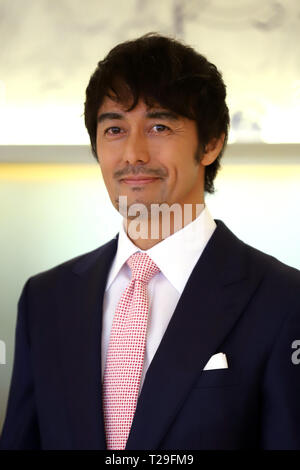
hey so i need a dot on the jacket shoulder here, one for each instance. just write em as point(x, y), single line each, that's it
point(274, 267)
point(76, 264)
point(280, 282)
point(255, 260)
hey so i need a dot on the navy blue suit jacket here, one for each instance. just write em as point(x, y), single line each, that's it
point(238, 301)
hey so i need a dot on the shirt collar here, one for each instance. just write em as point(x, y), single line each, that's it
point(176, 255)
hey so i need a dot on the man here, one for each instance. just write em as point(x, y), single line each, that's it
point(184, 340)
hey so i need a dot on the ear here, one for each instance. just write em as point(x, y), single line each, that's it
point(212, 150)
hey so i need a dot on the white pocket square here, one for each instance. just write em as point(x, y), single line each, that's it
point(217, 361)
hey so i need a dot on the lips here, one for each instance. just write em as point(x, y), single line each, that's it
point(138, 180)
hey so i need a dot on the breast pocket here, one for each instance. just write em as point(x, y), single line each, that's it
point(218, 378)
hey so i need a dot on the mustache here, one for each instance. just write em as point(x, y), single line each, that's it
point(141, 170)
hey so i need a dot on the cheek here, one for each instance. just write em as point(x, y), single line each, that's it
point(105, 159)
point(108, 155)
point(106, 171)
point(186, 173)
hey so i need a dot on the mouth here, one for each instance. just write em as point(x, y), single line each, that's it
point(137, 181)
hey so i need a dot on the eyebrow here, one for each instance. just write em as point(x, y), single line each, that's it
point(160, 114)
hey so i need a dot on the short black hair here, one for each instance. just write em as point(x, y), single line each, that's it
point(162, 70)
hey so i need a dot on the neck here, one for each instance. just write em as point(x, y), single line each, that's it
point(147, 232)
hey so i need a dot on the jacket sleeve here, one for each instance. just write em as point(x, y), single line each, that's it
point(20, 429)
point(281, 389)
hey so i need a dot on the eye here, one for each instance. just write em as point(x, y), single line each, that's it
point(112, 130)
point(161, 128)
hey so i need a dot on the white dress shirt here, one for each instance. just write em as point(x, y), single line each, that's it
point(176, 257)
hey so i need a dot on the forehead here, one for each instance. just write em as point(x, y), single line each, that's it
point(112, 105)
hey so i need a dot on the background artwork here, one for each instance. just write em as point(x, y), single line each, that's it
point(50, 48)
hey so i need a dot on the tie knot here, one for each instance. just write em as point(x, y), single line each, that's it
point(142, 267)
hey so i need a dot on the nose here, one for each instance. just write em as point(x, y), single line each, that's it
point(136, 149)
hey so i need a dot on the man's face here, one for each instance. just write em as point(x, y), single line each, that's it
point(148, 155)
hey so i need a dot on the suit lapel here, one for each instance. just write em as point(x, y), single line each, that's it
point(79, 326)
point(211, 303)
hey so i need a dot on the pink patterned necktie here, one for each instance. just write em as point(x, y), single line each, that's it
point(125, 354)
